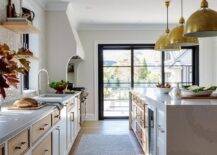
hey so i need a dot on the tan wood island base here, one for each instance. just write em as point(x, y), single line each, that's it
point(2, 150)
point(19, 144)
point(40, 128)
point(44, 148)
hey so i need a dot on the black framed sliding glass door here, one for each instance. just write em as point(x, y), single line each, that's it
point(123, 67)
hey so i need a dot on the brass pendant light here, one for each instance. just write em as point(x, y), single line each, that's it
point(177, 37)
point(163, 43)
point(202, 23)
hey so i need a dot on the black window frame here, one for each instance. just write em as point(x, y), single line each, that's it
point(132, 47)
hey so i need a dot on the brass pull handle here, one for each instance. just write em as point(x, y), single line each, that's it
point(20, 147)
point(72, 116)
point(57, 116)
point(44, 127)
point(160, 128)
point(46, 152)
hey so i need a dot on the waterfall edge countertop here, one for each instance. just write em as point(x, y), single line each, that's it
point(155, 98)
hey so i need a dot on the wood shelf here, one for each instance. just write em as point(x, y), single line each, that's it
point(21, 27)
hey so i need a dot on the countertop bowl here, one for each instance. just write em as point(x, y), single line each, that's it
point(164, 90)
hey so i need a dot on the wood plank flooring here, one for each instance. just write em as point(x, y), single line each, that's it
point(108, 127)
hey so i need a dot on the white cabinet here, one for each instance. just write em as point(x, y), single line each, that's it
point(161, 132)
point(59, 135)
point(56, 141)
point(72, 121)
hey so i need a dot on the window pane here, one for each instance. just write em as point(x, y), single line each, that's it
point(178, 66)
point(147, 74)
point(116, 91)
point(116, 100)
point(147, 57)
point(117, 75)
point(116, 57)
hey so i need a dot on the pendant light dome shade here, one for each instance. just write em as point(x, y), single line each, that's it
point(176, 36)
point(202, 23)
point(163, 44)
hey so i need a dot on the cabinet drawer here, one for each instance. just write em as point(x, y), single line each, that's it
point(55, 116)
point(44, 148)
point(40, 128)
point(19, 144)
point(2, 150)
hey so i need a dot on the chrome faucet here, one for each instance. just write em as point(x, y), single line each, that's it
point(39, 85)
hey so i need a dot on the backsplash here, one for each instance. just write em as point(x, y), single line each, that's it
point(14, 41)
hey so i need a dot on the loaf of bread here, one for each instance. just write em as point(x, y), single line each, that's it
point(26, 103)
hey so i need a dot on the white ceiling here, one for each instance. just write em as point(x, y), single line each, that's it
point(131, 11)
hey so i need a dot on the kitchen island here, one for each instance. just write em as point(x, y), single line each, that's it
point(166, 125)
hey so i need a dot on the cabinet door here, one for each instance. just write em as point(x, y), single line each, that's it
point(62, 126)
point(44, 148)
point(68, 130)
point(2, 150)
point(56, 141)
point(161, 149)
point(72, 124)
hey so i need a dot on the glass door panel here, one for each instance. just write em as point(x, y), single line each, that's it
point(147, 68)
point(116, 82)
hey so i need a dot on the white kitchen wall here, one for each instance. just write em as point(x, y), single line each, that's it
point(88, 71)
point(37, 41)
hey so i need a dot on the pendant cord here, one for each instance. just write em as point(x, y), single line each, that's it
point(181, 8)
point(167, 5)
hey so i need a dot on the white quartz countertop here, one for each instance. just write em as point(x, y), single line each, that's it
point(14, 121)
point(170, 100)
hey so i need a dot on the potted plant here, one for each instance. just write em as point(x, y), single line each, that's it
point(11, 64)
point(59, 86)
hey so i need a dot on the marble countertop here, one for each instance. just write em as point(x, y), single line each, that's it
point(170, 100)
point(14, 121)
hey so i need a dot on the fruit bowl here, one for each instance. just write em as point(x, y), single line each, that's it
point(59, 86)
point(164, 88)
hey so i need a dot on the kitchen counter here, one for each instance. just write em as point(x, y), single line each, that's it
point(153, 96)
point(179, 126)
point(14, 121)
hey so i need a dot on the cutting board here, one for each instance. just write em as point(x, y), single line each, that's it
point(200, 97)
point(28, 108)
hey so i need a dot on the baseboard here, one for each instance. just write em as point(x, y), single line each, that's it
point(90, 117)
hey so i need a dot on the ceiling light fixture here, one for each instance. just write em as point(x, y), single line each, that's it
point(202, 23)
point(163, 43)
point(177, 37)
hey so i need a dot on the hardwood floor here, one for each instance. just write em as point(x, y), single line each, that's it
point(116, 129)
